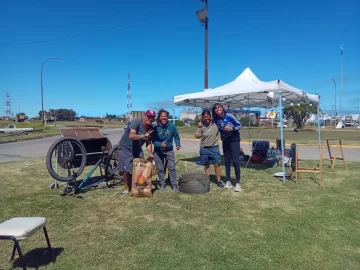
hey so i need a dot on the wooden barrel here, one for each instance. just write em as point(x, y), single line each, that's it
point(194, 183)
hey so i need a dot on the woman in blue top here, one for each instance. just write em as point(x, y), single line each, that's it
point(162, 138)
point(229, 127)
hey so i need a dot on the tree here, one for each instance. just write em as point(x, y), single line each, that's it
point(245, 121)
point(299, 114)
point(110, 116)
point(65, 114)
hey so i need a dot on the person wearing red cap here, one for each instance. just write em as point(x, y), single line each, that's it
point(137, 133)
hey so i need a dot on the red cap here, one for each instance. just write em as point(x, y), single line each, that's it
point(150, 113)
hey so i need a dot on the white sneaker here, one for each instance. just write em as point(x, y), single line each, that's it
point(228, 184)
point(125, 192)
point(238, 188)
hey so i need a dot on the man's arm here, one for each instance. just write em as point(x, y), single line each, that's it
point(176, 138)
point(135, 137)
point(149, 149)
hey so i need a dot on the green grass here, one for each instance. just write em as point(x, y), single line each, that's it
point(269, 225)
point(349, 136)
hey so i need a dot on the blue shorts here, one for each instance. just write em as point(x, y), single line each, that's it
point(210, 155)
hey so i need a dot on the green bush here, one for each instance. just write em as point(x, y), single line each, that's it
point(245, 121)
point(179, 123)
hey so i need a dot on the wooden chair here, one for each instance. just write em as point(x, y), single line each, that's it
point(297, 169)
point(337, 147)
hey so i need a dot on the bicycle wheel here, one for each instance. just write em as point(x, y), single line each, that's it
point(113, 164)
point(66, 154)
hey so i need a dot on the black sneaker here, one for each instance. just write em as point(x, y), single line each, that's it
point(175, 188)
point(220, 184)
point(162, 187)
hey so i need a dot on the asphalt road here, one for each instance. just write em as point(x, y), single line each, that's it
point(38, 148)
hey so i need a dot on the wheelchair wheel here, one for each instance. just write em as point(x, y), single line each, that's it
point(66, 159)
point(112, 163)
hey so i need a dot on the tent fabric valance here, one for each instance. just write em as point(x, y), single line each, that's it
point(247, 90)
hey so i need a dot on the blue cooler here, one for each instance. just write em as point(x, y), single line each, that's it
point(261, 148)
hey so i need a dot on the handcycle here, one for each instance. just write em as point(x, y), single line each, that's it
point(70, 155)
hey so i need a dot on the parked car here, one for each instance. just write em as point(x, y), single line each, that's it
point(12, 128)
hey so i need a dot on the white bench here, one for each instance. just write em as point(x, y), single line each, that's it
point(20, 228)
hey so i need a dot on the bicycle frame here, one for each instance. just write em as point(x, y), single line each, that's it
point(82, 186)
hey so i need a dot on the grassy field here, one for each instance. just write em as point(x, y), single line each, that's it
point(349, 136)
point(270, 225)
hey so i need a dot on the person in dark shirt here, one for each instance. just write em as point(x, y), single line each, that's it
point(135, 136)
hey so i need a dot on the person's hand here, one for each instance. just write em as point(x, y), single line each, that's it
point(228, 128)
point(163, 145)
point(151, 157)
point(200, 124)
point(147, 135)
point(178, 147)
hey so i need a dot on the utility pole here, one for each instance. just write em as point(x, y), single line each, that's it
point(341, 54)
point(129, 102)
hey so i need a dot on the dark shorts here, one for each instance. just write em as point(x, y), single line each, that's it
point(126, 160)
point(210, 155)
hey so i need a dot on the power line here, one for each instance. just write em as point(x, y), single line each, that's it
point(98, 31)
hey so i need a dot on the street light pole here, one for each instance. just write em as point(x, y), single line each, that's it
point(206, 75)
point(335, 100)
point(341, 53)
point(204, 20)
point(42, 92)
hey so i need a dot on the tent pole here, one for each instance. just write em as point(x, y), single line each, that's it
point(174, 112)
point(281, 135)
point(318, 122)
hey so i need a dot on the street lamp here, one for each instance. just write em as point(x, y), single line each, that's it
point(42, 92)
point(202, 16)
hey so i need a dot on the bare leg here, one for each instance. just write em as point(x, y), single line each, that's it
point(127, 181)
point(217, 172)
point(207, 169)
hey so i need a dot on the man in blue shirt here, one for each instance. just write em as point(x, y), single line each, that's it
point(164, 135)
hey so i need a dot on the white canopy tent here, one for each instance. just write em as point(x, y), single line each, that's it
point(248, 91)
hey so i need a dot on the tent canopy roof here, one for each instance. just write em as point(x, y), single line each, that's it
point(247, 91)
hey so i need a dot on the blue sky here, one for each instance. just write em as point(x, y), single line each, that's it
point(295, 41)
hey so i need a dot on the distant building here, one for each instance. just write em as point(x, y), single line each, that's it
point(351, 119)
point(188, 114)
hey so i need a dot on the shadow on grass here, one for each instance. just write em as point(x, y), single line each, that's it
point(37, 258)
point(249, 165)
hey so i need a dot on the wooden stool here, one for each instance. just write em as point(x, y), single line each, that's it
point(20, 228)
point(337, 147)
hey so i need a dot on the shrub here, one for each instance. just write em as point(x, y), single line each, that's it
point(179, 123)
point(245, 121)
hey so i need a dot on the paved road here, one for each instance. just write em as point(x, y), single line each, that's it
point(38, 148)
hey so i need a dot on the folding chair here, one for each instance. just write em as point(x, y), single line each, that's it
point(20, 228)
